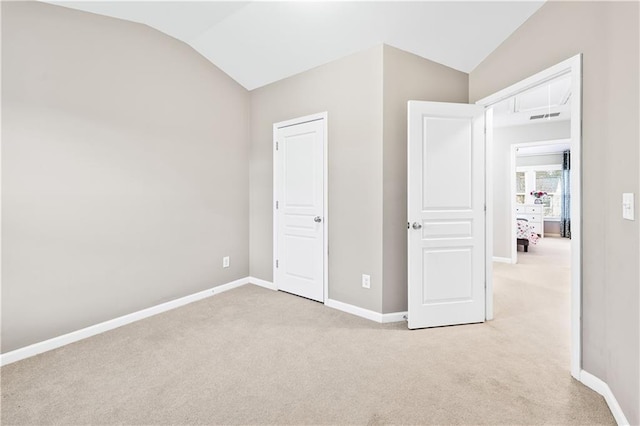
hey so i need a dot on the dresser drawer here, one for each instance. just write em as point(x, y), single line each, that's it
point(533, 209)
point(534, 218)
point(536, 227)
point(520, 209)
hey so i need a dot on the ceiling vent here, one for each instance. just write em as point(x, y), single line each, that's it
point(538, 117)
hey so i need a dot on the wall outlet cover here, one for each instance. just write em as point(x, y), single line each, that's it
point(225, 262)
point(628, 206)
point(366, 281)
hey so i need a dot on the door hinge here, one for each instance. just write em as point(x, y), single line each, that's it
point(276, 263)
point(485, 207)
point(277, 204)
point(276, 145)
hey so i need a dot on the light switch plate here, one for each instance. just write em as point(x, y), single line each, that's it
point(627, 206)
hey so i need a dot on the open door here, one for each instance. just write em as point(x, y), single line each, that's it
point(446, 208)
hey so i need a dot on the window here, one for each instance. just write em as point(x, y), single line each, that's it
point(540, 178)
point(521, 190)
point(550, 181)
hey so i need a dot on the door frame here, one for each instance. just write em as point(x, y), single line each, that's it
point(325, 196)
point(512, 187)
point(572, 66)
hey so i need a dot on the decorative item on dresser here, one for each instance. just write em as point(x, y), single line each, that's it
point(533, 214)
point(537, 196)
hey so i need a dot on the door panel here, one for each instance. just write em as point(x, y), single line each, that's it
point(452, 265)
point(446, 213)
point(299, 188)
point(298, 168)
point(446, 158)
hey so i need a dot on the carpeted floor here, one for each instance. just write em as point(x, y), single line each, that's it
point(254, 356)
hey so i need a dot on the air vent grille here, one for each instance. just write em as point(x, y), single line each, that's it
point(538, 117)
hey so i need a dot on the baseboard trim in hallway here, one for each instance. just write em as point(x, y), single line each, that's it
point(594, 383)
point(75, 336)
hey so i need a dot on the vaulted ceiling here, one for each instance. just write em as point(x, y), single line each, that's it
point(257, 43)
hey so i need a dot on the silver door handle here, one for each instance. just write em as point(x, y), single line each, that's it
point(317, 219)
point(416, 225)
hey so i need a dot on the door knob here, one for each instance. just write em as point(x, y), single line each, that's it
point(317, 219)
point(416, 225)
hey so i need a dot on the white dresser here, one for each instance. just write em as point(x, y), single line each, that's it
point(533, 213)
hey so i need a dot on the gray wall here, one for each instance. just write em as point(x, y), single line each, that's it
point(366, 98)
point(350, 90)
point(406, 77)
point(607, 34)
point(503, 138)
point(124, 171)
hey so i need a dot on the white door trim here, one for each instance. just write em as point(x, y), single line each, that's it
point(573, 66)
point(325, 220)
point(488, 214)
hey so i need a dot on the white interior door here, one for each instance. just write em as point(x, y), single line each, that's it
point(446, 208)
point(299, 208)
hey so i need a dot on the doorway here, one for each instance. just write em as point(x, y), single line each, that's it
point(540, 192)
point(571, 68)
point(300, 207)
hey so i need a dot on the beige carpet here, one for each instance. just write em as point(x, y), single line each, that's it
point(253, 356)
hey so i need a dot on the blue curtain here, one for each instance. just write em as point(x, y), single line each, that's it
point(565, 213)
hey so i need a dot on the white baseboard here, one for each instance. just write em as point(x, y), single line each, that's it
point(603, 389)
point(394, 317)
point(262, 283)
point(502, 259)
point(365, 313)
point(354, 310)
point(74, 336)
point(345, 307)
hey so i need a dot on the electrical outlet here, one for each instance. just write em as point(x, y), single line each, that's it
point(366, 281)
point(225, 262)
point(627, 206)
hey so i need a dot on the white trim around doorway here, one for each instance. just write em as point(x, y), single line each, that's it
point(572, 66)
